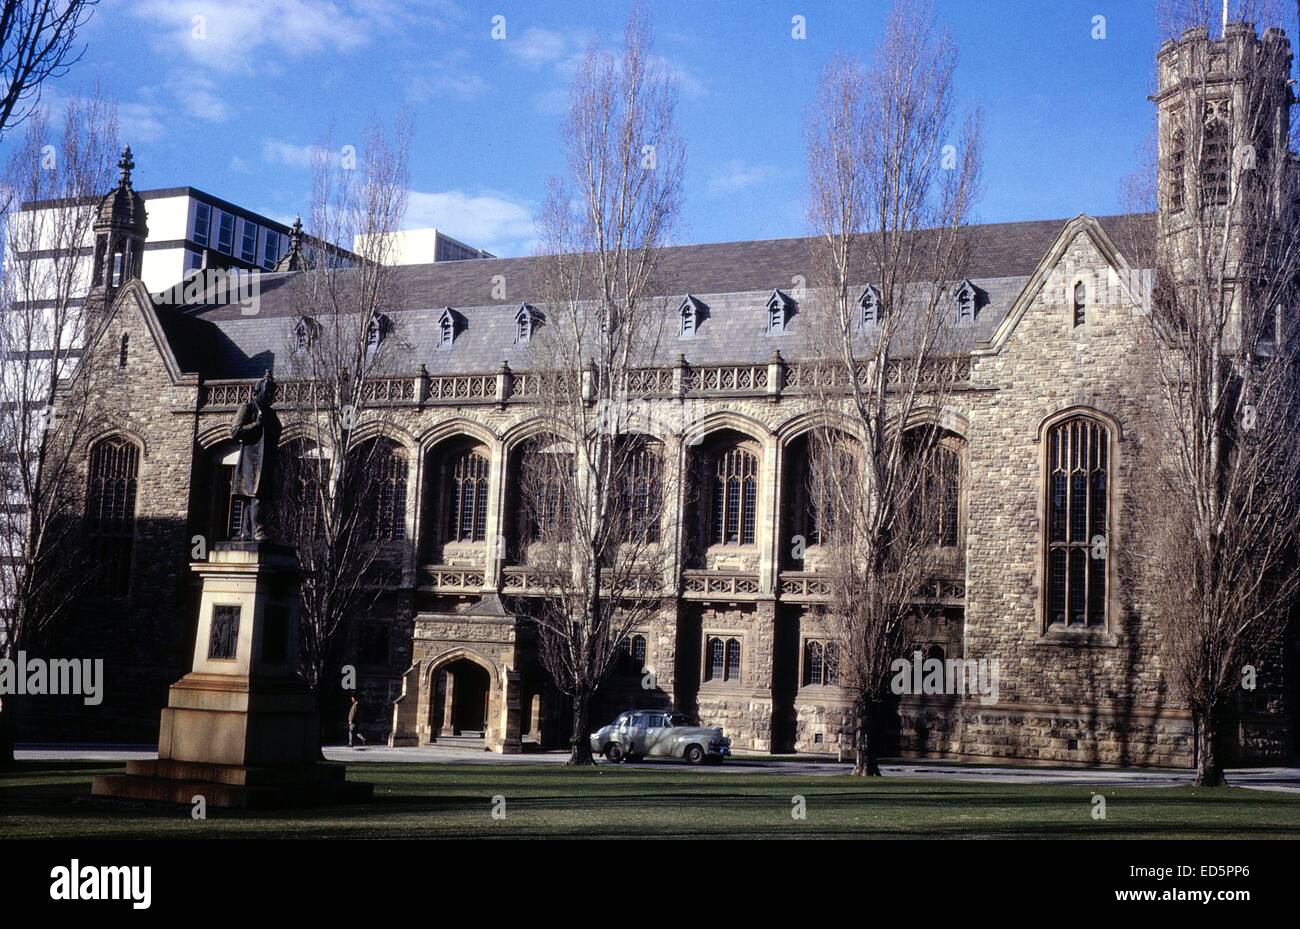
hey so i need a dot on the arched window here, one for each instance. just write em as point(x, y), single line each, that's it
point(305, 475)
point(634, 651)
point(869, 307)
point(123, 350)
point(389, 469)
point(1216, 155)
point(1078, 542)
point(1080, 299)
point(936, 504)
point(467, 498)
point(110, 512)
point(735, 496)
point(723, 662)
point(642, 481)
point(547, 477)
point(1177, 179)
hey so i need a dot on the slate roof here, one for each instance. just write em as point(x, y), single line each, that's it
point(732, 279)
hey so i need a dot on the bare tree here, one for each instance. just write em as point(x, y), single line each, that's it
point(45, 414)
point(338, 509)
point(890, 187)
point(1223, 567)
point(37, 41)
point(601, 553)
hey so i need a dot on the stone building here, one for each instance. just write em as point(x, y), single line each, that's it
point(1051, 390)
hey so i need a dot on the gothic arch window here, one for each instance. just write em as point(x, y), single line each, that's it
point(123, 351)
point(110, 512)
point(642, 490)
point(526, 322)
point(1216, 155)
point(1177, 178)
point(723, 659)
point(735, 495)
point(305, 474)
point(467, 497)
point(450, 324)
point(937, 504)
point(778, 313)
point(1080, 302)
point(388, 470)
point(869, 308)
point(376, 330)
point(1078, 509)
point(965, 302)
point(634, 653)
point(304, 333)
point(546, 480)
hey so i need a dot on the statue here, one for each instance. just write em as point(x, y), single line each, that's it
point(257, 429)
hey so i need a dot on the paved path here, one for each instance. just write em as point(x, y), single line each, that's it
point(1282, 779)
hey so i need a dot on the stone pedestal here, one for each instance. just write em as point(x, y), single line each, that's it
point(241, 729)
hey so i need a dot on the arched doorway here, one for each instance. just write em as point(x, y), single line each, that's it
point(464, 689)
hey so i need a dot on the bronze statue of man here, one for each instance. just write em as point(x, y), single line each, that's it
point(257, 429)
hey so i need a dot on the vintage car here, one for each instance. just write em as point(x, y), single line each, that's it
point(659, 734)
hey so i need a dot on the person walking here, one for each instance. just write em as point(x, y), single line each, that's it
point(352, 722)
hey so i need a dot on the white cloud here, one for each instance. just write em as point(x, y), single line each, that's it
point(537, 47)
point(491, 220)
point(198, 96)
point(235, 35)
point(286, 153)
point(139, 122)
point(737, 175)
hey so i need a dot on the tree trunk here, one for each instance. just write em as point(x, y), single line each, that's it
point(8, 733)
point(580, 740)
point(1209, 772)
point(865, 761)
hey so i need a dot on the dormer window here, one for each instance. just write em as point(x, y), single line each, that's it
point(779, 308)
point(377, 329)
point(869, 308)
point(304, 333)
point(449, 326)
point(689, 316)
point(526, 322)
point(965, 299)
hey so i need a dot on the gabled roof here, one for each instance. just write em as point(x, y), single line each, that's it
point(734, 279)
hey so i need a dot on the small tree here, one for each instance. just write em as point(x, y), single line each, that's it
point(45, 414)
point(600, 552)
point(37, 41)
point(890, 188)
point(336, 509)
point(1223, 567)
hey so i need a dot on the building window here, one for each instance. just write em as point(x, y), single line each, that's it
point(389, 467)
point(1078, 544)
point(1216, 155)
point(110, 520)
point(689, 316)
point(546, 476)
point(820, 664)
point(226, 234)
point(735, 497)
point(193, 261)
point(202, 223)
point(723, 659)
point(447, 328)
point(304, 333)
point(634, 651)
point(778, 313)
point(943, 486)
point(965, 300)
point(1177, 179)
point(526, 322)
point(1080, 298)
point(468, 498)
point(642, 492)
point(271, 251)
point(248, 243)
point(123, 350)
point(869, 308)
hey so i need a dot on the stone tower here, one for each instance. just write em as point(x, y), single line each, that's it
point(1223, 118)
point(120, 231)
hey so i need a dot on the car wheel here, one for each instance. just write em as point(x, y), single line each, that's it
point(694, 754)
point(614, 752)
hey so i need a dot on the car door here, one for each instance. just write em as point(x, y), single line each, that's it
point(636, 733)
point(659, 735)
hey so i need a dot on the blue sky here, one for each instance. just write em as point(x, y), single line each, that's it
point(235, 110)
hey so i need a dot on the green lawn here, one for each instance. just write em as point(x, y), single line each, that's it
point(51, 799)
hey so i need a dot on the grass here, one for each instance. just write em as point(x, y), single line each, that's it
point(51, 799)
